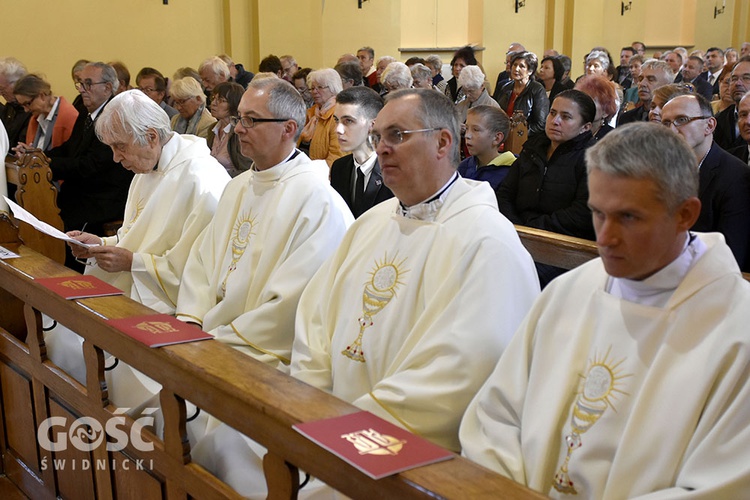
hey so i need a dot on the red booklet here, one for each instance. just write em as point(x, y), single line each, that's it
point(373, 445)
point(79, 287)
point(156, 330)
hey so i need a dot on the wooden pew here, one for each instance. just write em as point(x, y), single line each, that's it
point(36, 193)
point(259, 401)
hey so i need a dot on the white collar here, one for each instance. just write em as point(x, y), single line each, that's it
point(428, 209)
point(368, 165)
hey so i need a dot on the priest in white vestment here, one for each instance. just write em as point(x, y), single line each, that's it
point(274, 227)
point(171, 199)
point(426, 289)
point(630, 377)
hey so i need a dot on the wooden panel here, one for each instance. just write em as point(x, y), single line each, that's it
point(9, 491)
point(131, 483)
point(73, 467)
point(19, 416)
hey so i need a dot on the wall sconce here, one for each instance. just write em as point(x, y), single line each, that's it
point(360, 2)
point(520, 4)
point(624, 8)
point(717, 10)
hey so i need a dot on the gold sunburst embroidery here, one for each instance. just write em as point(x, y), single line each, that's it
point(598, 389)
point(377, 293)
point(139, 206)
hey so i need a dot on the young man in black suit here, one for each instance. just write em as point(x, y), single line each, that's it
point(357, 176)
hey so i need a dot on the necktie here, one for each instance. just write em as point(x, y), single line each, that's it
point(88, 124)
point(359, 193)
point(712, 79)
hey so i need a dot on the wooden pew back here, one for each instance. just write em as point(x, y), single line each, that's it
point(257, 400)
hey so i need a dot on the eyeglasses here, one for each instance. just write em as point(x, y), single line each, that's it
point(249, 121)
point(318, 89)
point(181, 102)
point(26, 104)
point(147, 90)
point(86, 85)
point(394, 136)
point(218, 99)
point(681, 121)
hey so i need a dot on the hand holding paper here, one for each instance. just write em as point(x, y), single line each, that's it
point(23, 215)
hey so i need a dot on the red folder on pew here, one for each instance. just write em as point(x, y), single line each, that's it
point(79, 287)
point(373, 445)
point(156, 330)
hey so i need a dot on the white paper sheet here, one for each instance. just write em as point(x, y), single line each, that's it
point(23, 215)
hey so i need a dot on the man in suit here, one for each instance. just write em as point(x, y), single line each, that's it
point(724, 183)
point(357, 176)
point(95, 187)
point(714, 64)
point(691, 74)
point(727, 134)
point(743, 120)
point(654, 74)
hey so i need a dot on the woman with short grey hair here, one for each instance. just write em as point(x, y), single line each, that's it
point(189, 100)
point(318, 137)
point(396, 76)
point(472, 81)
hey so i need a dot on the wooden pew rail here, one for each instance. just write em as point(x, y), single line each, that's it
point(257, 400)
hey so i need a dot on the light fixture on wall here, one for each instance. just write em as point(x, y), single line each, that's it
point(520, 4)
point(624, 8)
point(717, 10)
point(360, 2)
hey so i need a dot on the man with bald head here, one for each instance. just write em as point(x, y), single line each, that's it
point(724, 180)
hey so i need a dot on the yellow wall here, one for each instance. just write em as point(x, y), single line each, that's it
point(183, 33)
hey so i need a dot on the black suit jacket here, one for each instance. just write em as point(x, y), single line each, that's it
point(725, 201)
point(703, 88)
point(95, 187)
point(740, 152)
point(725, 134)
point(639, 114)
point(715, 86)
point(342, 180)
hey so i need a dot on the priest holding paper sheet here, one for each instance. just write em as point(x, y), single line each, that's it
point(169, 203)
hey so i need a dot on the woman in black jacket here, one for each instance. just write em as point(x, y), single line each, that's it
point(546, 187)
point(525, 94)
point(461, 58)
point(550, 75)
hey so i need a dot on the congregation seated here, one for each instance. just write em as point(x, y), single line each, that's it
point(486, 130)
point(222, 140)
point(523, 94)
point(546, 187)
point(151, 82)
point(662, 95)
point(237, 72)
point(726, 133)
point(630, 95)
point(550, 75)
point(350, 73)
point(318, 136)
point(189, 101)
point(602, 91)
point(53, 117)
point(14, 117)
point(213, 71)
point(396, 76)
point(435, 64)
point(422, 76)
point(654, 74)
point(461, 58)
point(472, 81)
point(743, 121)
point(123, 76)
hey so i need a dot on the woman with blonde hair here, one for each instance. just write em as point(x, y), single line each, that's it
point(189, 101)
point(319, 137)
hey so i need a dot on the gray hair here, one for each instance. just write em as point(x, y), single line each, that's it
point(648, 151)
point(600, 56)
point(12, 69)
point(471, 79)
point(109, 75)
point(420, 72)
point(433, 61)
point(397, 73)
point(657, 65)
point(187, 87)
point(328, 77)
point(388, 59)
point(435, 110)
point(216, 65)
point(283, 100)
point(290, 59)
point(129, 115)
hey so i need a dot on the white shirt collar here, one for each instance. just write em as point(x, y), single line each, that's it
point(368, 165)
point(427, 210)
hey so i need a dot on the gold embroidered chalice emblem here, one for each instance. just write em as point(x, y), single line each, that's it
point(593, 400)
point(377, 294)
point(242, 231)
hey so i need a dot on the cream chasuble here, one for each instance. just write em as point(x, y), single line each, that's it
point(598, 397)
point(272, 230)
point(165, 212)
point(409, 317)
